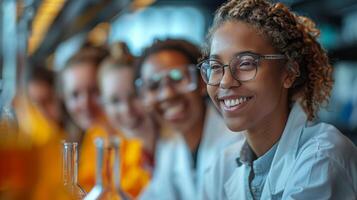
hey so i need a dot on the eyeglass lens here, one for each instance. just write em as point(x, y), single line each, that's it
point(242, 68)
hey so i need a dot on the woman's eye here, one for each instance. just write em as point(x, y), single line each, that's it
point(74, 94)
point(215, 66)
point(153, 85)
point(114, 100)
point(247, 64)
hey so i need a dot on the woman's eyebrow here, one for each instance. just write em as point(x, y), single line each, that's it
point(217, 57)
point(237, 54)
point(214, 56)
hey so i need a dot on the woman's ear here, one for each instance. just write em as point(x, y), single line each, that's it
point(293, 71)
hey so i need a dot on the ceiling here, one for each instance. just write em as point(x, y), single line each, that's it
point(82, 15)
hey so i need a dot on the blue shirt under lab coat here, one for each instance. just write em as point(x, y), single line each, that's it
point(257, 168)
point(312, 161)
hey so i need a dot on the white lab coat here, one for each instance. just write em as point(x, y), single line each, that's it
point(174, 175)
point(312, 161)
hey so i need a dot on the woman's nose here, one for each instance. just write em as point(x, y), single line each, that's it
point(228, 80)
point(167, 91)
point(128, 108)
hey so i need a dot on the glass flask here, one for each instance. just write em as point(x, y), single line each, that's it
point(70, 170)
point(107, 185)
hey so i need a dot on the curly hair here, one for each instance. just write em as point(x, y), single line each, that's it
point(292, 35)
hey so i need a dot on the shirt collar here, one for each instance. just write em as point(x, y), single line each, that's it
point(263, 163)
point(246, 156)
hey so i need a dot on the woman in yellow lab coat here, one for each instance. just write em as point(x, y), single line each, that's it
point(126, 120)
point(81, 99)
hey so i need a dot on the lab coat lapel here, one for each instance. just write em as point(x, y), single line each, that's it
point(184, 174)
point(235, 189)
point(216, 136)
point(285, 155)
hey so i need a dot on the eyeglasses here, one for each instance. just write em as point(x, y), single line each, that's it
point(243, 67)
point(182, 79)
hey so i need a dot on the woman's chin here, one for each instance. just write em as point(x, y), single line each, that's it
point(235, 126)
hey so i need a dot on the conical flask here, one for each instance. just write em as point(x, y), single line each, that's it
point(107, 185)
point(70, 170)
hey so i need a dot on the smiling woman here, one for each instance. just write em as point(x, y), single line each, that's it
point(262, 84)
point(80, 91)
point(120, 101)
point(126, 120)
point(173, 93)
point(267, 74)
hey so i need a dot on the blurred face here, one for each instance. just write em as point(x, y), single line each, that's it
point(122, 106)
point(250, 104)
point(44, 97)
point(179, 108)
point(81, 94)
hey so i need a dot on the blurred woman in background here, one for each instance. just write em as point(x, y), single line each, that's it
point(171, 90)
point(41, 91)
point(126, 113)
point(80, 92)
point(81, 98)
point(37, 105)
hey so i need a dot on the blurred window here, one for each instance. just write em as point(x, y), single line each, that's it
point(342, 108)
point(140, 28)
point(66, 49)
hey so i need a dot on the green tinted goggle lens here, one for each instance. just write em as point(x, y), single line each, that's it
point(175, 75)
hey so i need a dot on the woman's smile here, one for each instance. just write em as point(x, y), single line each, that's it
point(174, 111)
point(234, 104)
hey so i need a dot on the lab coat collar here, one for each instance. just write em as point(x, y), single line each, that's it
point(213, 128)
point(214, 132)
point(286, 151)
point(282, 162)
point(284, 157)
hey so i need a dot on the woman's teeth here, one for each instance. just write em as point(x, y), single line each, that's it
point(174, 110)
point(235, 102)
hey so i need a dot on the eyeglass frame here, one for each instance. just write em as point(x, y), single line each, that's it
point(192, 71)
point(257, 58)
